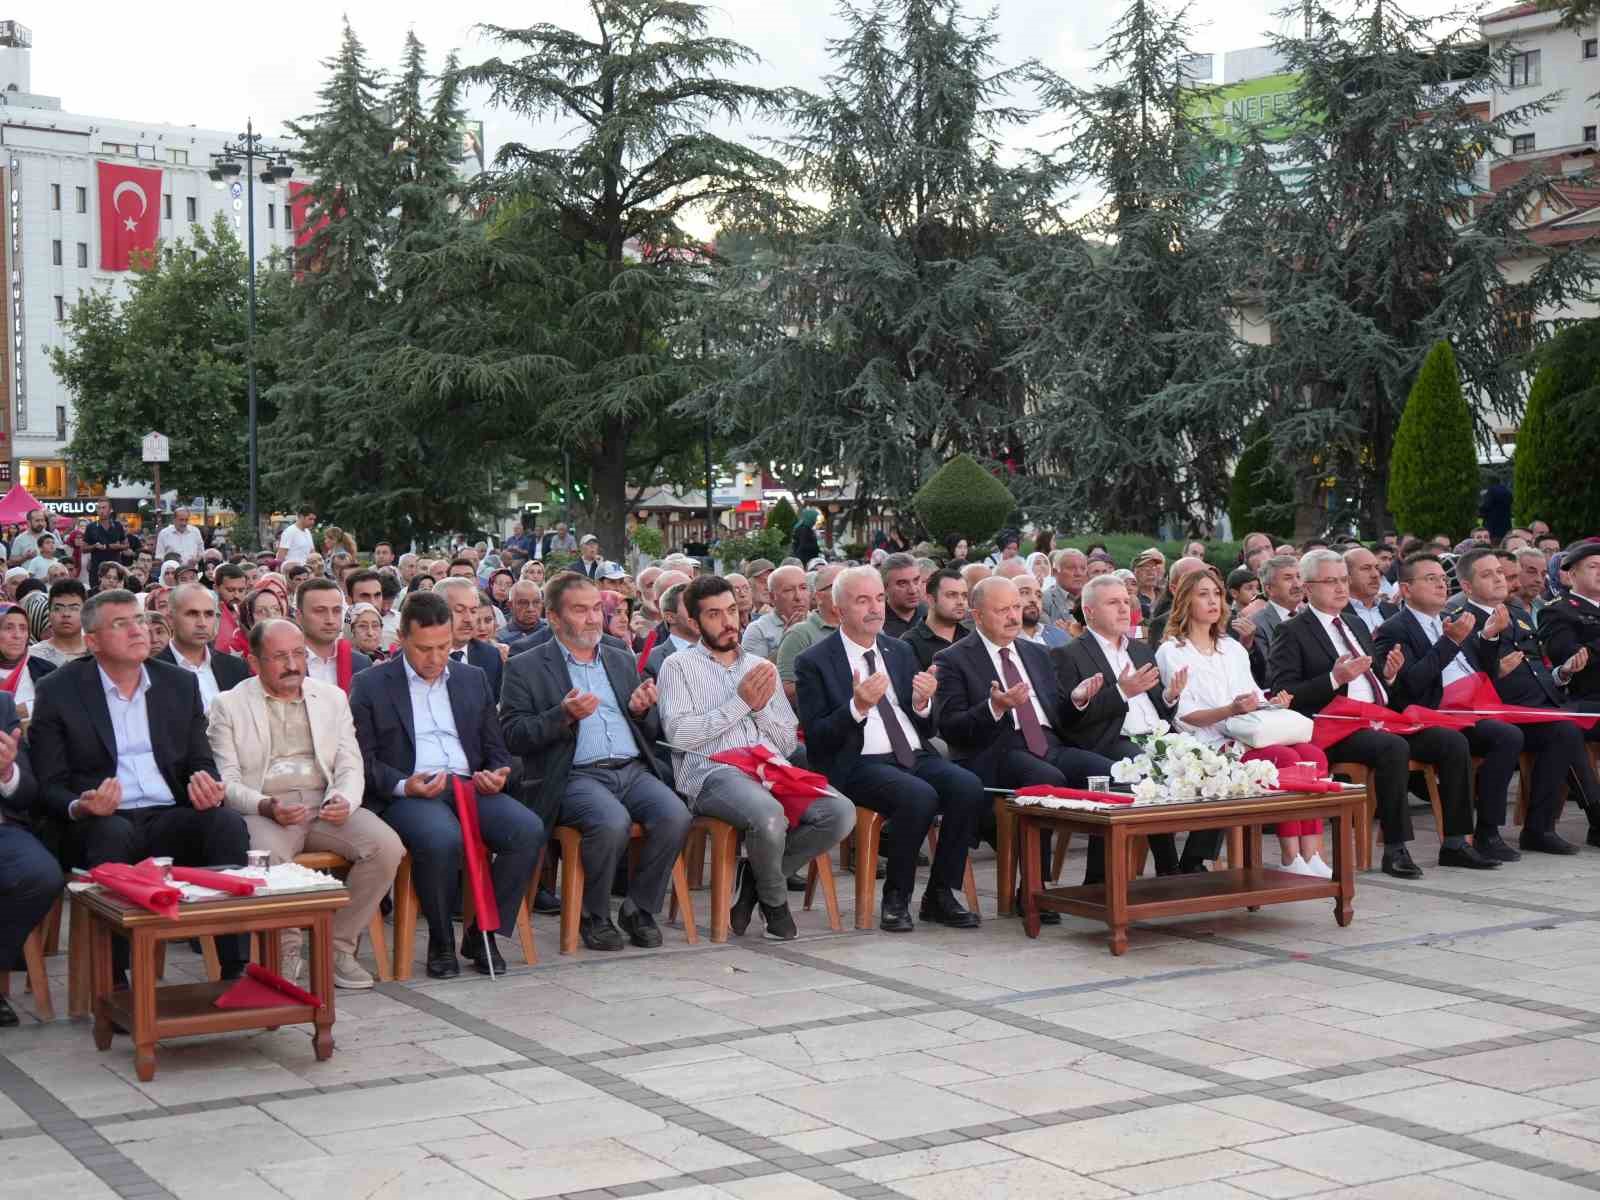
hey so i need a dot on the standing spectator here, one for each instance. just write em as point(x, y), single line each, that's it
point(804, 545)
point(590, 560)
point(296, 541)
point(65, 643)
point(26, 542)
point(180, 538)
point(558, 541)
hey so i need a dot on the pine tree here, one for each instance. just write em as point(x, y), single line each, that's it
point(1382, 245)
point(1433, 473)
point(1259, 497)
point(1557, 443)
point(643, 88)
point(1133, 313)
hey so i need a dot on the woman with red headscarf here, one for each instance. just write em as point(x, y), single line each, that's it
point(19, 674)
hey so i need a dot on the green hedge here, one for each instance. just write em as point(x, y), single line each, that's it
point(963, 500)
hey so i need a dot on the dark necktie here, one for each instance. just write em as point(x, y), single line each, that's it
point(1378, 694)
point(903, 753)
point(458, 656)
point(1027, 719)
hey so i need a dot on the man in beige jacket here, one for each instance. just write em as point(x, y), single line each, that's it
point(286, 749)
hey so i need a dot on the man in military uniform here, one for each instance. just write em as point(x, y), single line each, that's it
point(1515, 662)
point(1569, 627)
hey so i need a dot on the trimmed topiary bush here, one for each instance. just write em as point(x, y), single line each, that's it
point(782, 517)
point(963, 500)
point(1259, 497)
point(1433, 470)
point(1557, 443)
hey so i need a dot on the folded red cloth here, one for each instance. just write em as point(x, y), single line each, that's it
point(232, 884)
point(1066, 793)
point(136, 887)
point(1290, 780)
point(261, 988)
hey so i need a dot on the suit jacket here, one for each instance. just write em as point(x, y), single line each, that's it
point(1565, 624)
point(380, 702)
point(73, 744)
point(226, 669)
point(1266, 623)
point(1421, 679)
point(1300, 661)
point(665, 650)
point(18, 807)
point(544, 633)
point(241, 741)
point(590, 570)
point(1099, 723)
point(535, 726)
point(824, 688)
point(1533, 684)
point(961, 705)
point(487, 659)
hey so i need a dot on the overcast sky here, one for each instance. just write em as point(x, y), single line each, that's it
point(213, 64)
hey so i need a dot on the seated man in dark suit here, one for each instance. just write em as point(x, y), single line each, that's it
point(682, 632)
point(422, 721)
point(1113, 692)
point(866, 711)
point(586, 726)
point(30, 880)
point(997, 706)
point(1367, 604)
point(119, 746)
point(192, 614)
point(462, 596)
point(1303, 660)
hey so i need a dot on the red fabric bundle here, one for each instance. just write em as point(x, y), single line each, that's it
point(138, 887)
point(343, 670)
point(1477, 695)
point(261, 988)
point(234, 885)
point(1292, 779)
point(1066, 793)
point(476, 853)
point(791, 786)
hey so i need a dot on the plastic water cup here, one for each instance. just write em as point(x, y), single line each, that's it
point(1099, 783)
point(257, 860)
point(1313, 768)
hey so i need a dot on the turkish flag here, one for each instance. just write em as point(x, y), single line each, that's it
point(130, 212)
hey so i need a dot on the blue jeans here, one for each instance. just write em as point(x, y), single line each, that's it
point(30, 881)
point(432, 837)
point(603, 803)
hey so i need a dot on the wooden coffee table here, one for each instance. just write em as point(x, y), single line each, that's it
point(1248, 884)
point(150, 1013)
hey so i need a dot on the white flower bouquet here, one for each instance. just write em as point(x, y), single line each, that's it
point(1178, 766)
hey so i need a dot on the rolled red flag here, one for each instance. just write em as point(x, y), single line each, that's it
point(1067, 793)
point(137, 887)
point(476, 853)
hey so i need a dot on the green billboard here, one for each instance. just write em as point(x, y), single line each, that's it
point(1233, 109)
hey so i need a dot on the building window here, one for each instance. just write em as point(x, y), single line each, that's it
point(288, 217)
point(61, 308)
point(1591, 47)
point(143, 151)
point(166, 206)
point(1522, 143)
point(181, 157)
point(191, 209)
point(61, 422)
point(117, 148)
point(1589, 134)
point(55, 197)
point(1525, 68)
point(272, 216)
point(83, 254)
point(82, 199)
point(55, 253)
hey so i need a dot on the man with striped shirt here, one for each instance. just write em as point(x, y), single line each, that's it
point(716, 696)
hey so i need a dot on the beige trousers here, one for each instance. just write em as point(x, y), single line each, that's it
point(365, 839)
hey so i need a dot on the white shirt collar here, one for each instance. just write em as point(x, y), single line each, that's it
point(204, 664)
point(110, 686)
point(1109, 648)
point(413, 679)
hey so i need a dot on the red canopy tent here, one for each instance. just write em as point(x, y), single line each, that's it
point(16, 504)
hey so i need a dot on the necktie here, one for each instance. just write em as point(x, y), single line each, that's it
point(903, 753)
point(1027, 719)
point(458, 656)
point(1378, 694)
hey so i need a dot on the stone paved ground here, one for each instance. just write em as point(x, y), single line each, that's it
point(1446, 1044)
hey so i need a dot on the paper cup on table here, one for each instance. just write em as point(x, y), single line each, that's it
point(256, 861)
point(1099, 783)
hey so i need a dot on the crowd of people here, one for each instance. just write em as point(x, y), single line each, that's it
point(193, 703)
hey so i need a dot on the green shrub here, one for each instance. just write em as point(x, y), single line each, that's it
point(963, 500)
point(1433, 470)
point(1259, 497)
point(782, 517)
point(1557, 444)
point(649, 540)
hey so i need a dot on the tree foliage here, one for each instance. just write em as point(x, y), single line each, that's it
point(170, 358)
point(1557, 444)
point(961, 499)
point(1259, 496)
point(1433, 471)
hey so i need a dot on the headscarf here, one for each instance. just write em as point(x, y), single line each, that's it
point(267, 583)
point(37, 606)
point(1034, 559)
point(168, 575)
point(153, 593)
point(808, 517)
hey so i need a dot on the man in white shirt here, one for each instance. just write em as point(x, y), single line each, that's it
point(180, 538)
point(1367, 604)
point(319, 605)
point(27, 541)
point(296, 542)
point(192, 613)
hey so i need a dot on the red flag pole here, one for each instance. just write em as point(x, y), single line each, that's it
point(477, 863)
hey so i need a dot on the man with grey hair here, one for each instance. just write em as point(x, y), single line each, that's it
point(1283, 592)
point(786, 586)
point(812, 630)
point(1065, 589)
point(180, 538)
point(744, 596)
point(902, 585)
point(975, 573)
point(1316, 656)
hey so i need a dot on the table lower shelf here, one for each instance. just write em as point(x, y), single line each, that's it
point(1175, 895)
point(185, 1009)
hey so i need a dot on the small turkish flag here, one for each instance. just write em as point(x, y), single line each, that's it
point(130, 216)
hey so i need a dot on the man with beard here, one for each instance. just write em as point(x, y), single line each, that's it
point(947, 609)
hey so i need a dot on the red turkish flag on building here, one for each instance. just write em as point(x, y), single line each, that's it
point(130, 214)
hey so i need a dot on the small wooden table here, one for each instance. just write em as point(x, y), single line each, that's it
point(1248, 884)
point(150, 1014)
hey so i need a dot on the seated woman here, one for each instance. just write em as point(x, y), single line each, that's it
point(1219, 687)
point(366, 632)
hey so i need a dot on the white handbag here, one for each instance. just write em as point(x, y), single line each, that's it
point(1268, 727)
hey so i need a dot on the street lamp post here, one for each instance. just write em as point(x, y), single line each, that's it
point(276, 168)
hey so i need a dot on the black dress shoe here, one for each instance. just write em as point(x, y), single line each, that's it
point(598, 933)
point(640, 927)
point(1546, 843)
point(442, 962)
point(1047, 916)
point(796, 882)
point(472, 950)
point(8, 1015)
point(941, 908)
point(546, 902)
point(744, 901)
point(779, 922)
point(894, 916)
point(1398, 863)
point(1465, 856)
point(1594, 835)
point(1493, 846)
